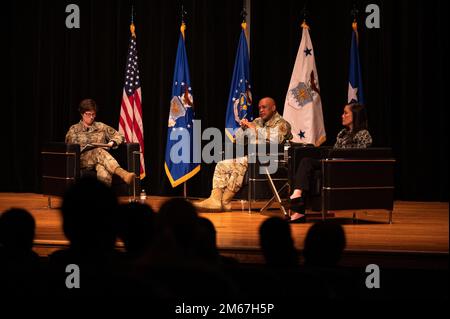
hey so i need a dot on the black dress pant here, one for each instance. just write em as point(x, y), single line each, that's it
point(304, 172)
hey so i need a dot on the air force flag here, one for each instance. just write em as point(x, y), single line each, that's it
point(240, 98)
point(179, 164)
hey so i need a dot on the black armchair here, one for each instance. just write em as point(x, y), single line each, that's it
point(60, 163)
point(350, 179)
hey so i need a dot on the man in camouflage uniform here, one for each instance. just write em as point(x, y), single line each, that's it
point(229, 174)
point(89, 131)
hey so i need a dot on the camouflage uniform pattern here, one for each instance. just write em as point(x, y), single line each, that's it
point(275, 130)
point(97, 158)
point(230, 173)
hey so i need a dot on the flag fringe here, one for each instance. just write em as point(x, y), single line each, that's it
point(182, 179)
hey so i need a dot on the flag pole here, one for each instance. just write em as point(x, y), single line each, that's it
point(132, 14)
point(244, 25)
point(354, 12)
point(183, 14)
point(304, 13)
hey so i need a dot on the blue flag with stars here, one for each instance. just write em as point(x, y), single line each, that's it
point(355, 87)
point(240, 98)
point(179, 163)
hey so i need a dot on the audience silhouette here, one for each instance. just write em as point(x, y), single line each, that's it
point(323, 247)
point(283, 276)
point(207, 244)
point(136, 227)
point(169, 255)
point(177, 224)
point(206, 241)
point(177, 265)
point(20, 268)
point(324, 244)
point(89, 213)
point(277, 244)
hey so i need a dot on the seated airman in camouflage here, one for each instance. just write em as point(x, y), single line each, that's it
point(89, 131)
point(229, 174)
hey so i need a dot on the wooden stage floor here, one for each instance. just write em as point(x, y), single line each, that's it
point(417, 238)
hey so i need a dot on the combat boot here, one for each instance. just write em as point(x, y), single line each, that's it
point(226, 199)
point(128, 177)
point(214, 202)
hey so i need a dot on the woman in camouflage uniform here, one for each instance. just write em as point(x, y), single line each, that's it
point(88, 131)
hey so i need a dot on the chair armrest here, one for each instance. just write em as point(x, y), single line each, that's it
point(60, 147)
point(60, 164)
point(360, 153)
point(60, 160)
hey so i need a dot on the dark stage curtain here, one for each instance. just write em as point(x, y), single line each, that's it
point(51, 68)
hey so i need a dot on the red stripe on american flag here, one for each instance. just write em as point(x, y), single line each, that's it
point(128, 119)
point(122, 126)
point(138, 103)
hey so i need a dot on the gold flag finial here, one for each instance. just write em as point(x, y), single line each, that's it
point(132, 28)
point(304, 24)
point(182, 28)
point(355, 28)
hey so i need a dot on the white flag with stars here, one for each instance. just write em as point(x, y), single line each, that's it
point(303, 106)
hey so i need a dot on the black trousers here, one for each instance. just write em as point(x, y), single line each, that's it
point(304, 172)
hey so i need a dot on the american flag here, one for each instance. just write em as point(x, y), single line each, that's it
point(130, 123)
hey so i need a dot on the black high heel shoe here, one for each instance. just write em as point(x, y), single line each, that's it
point(298, 220)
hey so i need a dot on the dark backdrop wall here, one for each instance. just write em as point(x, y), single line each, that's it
point(51, 68)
